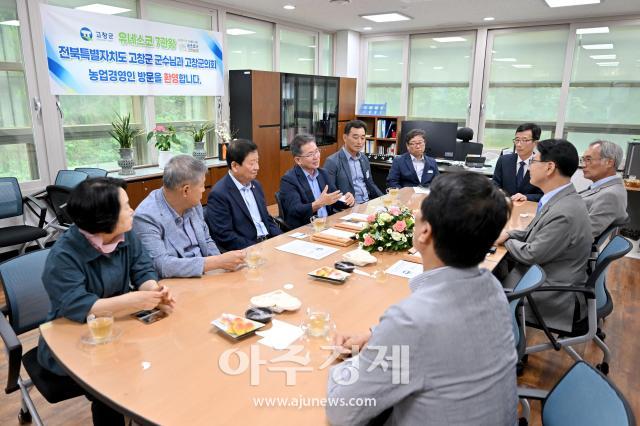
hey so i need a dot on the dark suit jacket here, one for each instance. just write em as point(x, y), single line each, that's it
point(228, 217)
point(403, 173)
point(505, 177)
point(296, 196)
point(337, 166)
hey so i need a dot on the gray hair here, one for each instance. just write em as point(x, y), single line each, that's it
point(610, 151)
point(298, 142)
point(181, 170)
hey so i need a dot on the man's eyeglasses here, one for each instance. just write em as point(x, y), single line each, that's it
point(311, 154)
point(589, 160)
point(533, 160)
point(416, 143)
point(517, 141)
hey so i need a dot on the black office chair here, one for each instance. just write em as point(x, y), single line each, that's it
point(12, 205)
point(92, 171)
point(280, 218)
point(57, 197)
point(583, 396)
point(29, 304)
point(464, 146)
point(599, 305)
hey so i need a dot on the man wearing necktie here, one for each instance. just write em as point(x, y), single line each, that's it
point(236, 210)
point(558, 239)
point(512, 170)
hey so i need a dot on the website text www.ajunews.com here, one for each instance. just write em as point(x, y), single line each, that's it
point(301, 402)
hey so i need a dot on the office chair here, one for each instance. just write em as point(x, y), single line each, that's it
point(57, 197)
point(599, 305)
point(280, 218)
point(29, 304)
point(70, 178)
point(529, 282)
point(92, 171)
point(583, 396)
point(12, 205)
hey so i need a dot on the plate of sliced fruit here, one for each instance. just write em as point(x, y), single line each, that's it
point(332, 275)
point(235, 326)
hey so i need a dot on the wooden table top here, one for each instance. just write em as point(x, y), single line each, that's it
point(168, 372)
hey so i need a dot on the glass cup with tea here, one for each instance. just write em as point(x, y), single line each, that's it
point(387, 200)
point(254, 257)
point(318, 223)
point(318, 323)
point(393, 192)
point(100, 326)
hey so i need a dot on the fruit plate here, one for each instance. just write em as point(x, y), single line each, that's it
point(236, 327)
point(332, 275)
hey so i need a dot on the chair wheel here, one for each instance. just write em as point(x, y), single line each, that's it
point(519, 369)
point(24, 417)
point(604, 368)
point(523, 422)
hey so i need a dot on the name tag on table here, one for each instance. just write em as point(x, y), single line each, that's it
point(298, 235)
point(405, 269)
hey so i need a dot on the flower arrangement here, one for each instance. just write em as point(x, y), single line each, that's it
point(223, 133)
point(388, 229)
point(165, 136)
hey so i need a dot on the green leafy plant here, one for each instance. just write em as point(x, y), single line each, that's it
point(388, 229)
point(123, 132)
point(198, 132)
point(165, 136)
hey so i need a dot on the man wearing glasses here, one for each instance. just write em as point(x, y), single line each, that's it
point(305, 190)
point(413, 168)
point(606, 197)
point(349, 170)
point(512, 170)
point(558, 238)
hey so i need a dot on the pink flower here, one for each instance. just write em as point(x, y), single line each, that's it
point(400, 226)
point(160, 128)
point(368, 240)
point(394, 210)
point(371, 218)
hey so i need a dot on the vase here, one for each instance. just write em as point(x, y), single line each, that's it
point(222, 151)
point(164, 157)
point(199, 153)
point(126, 162)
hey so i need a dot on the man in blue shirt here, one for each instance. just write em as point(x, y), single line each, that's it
point(170, 223)
point(349, 170)
point(306, 189)
point(236, 210)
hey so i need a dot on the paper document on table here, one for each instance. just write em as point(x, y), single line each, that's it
point(405, 269)
point(281, 335)
point(355, 217)
point(311, 250)
point(421, 190)
point(333, 232)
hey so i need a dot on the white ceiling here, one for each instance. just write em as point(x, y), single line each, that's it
point(426, 14)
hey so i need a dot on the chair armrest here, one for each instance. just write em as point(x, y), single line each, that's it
point(588, 292)
point(528, 393)
point(28, 201)
point(281, 223)
point(14, 352)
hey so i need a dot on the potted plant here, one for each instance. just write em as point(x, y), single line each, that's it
point(198, 134)
point(125, 134)
point(165, 136)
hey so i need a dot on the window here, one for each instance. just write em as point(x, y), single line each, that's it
point(384, 74)
point(525, 81)
point(183, 111)
point(604, 92)
point(87, 119)
point(249, 43)
point(439, 75)
point(17, 146)
point(326, 54)
point(297, 52)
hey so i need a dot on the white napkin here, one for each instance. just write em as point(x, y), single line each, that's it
point(281, 335)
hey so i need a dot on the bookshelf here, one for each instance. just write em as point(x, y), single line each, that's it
point(382, 135)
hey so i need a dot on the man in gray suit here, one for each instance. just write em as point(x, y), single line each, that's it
point(606, 198)
point(171, 225)
point(349, 169)
point(558, 238)
point(451, 342)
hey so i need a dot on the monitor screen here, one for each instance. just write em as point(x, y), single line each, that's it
point(441, 137)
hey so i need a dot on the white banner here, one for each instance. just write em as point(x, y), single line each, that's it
point(95, 54)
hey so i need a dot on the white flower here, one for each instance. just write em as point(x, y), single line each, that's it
point(379, 248)
point(396, 236)
point(389, 231)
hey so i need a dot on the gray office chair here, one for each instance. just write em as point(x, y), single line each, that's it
point(599, 305)
point(583, 396)
point(28, 304)
point(92, 171)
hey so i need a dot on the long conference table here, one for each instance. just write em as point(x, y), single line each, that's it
point(169, 372)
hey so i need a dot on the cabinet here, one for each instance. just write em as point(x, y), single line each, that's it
point(269, 108)
point(383, 132)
